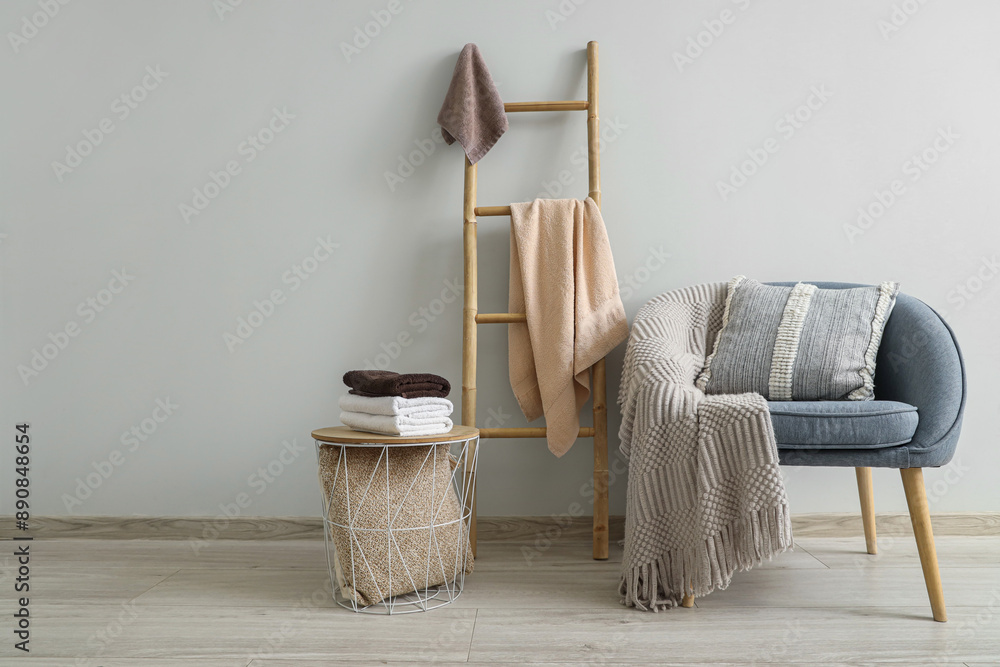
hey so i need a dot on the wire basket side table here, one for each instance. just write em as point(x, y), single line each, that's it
point(396, 517)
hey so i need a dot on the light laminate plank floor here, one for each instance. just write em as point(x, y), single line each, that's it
point(237, 603)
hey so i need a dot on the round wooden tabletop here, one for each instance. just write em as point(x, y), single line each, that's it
point(347, 436)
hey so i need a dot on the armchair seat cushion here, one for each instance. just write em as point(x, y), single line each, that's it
point(842, 424)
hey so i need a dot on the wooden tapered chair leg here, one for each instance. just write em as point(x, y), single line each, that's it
point(687, 601)
point(867, 493)
point(920, 516)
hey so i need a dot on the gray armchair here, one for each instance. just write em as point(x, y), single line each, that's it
point(913, 423)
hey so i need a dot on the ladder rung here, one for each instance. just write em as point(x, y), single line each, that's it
point(492, 210)
point(527, 432)
point(561, 105)
point(500, 318)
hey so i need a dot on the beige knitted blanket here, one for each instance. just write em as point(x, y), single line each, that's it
point(705, 494)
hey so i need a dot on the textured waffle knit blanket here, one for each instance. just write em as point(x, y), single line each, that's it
point(705, 494)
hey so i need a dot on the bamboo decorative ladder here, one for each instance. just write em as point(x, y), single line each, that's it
point(472, 316)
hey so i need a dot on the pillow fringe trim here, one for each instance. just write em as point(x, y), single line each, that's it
point(887, 292)
point(706, 373)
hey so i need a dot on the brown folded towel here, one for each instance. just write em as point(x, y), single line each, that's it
point(387, 383)
point(472, 111)
point(412, 391)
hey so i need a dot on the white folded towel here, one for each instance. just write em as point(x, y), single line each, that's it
point(426, 406)
point(396, 425)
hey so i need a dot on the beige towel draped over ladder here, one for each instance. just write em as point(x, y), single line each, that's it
point(562, 276)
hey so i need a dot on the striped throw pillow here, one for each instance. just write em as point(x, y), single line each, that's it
point(798, 343)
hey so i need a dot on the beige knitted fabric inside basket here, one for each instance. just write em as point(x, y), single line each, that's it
point(418, 480)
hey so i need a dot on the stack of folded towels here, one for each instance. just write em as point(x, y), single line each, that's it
point(396, 404)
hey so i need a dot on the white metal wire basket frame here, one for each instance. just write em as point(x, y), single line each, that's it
point(426, 597)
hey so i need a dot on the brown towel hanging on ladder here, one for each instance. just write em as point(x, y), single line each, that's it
point(472, 112)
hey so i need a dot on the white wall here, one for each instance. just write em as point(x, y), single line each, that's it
point(672, 136)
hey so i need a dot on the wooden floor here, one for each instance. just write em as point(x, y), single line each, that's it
point(143, 603)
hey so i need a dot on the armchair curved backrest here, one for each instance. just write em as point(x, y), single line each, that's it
point(919, 362)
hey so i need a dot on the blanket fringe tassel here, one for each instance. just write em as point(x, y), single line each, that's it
point(710, 565)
